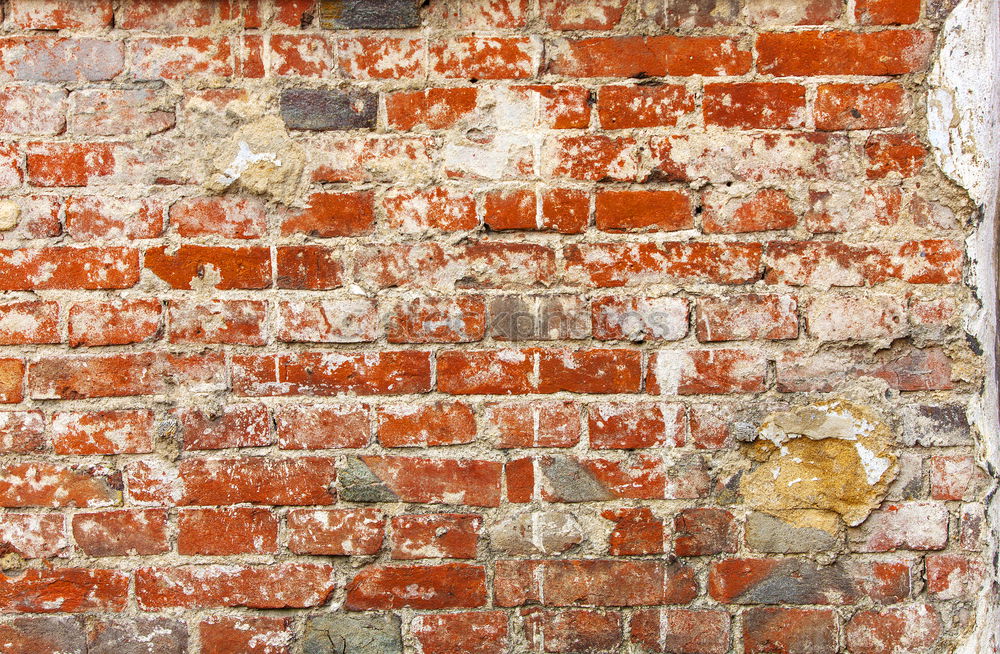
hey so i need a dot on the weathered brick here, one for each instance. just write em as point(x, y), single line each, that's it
point(453, 585)
point(307, 427)
point(654, 56)
point(253, 635)
point(860, 106)
point(111, 112)
point(353, 320)
point(235, 425)
point(891, 52)
point(335, 532)
point(350, 14)
point(624, 107)
point(907, 628)
point(114, 323)
point(746, 317)
point(34, 535)
point(573, 630)
point(440, 535)
point(44, 634)
point(536, 424)
point(429, 425)
point(314, 373)
point(67, 590)
point(484, 632)
point(755, 105)
point(793, 631)
point(373, 633)
point(281, 586)
point(37, 484)
point(138, 635)
point(618, 425)
point(125, 532)
point(333, 214)
point(681, 631)
point(128, 431)
point(222, 532)
point(57, 59)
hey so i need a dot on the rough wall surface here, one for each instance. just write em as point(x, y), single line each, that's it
point(489, 326)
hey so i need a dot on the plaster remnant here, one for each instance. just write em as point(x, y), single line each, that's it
point(10, 214)
point(818, 462)
point(260, 158)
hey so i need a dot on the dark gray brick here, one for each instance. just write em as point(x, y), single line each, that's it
point(369, 14)
point(324, 109)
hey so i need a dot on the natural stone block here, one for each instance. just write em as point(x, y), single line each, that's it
point(329, 109)
point(369, 14)
point(341, 633)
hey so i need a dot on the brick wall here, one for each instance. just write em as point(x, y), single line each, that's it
point(383, 327)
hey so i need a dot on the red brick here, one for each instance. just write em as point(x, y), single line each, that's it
point(166, 15)
point(93, 268)
point(831, 263)
point(351, 320)
point(560, 107)
point(435, 208)
point(333, 214)
point(637, 532)
point(22, 432)
point(306, 55)
point(483, 57)
point(511, 209)
point(860, 106)
point(335, 532)
point(120, 322)
point(439, 535)
point(316, 373)
point(309, 267)
point(39, 58)
point(74, 164)
point(471, 14)
point(180, 57)
point(620, 264)
point(438, 481)
point(34, 535)
point(39, 214)
point(755, 105)
point(767, 209)
point(894, 155)
point(575, 630)
point(857, 209)
point(125, 532)
point(582, 14)
point(887, 12)
point(591, 157)
point(752, 157)
point(654, 56)
point(792, 631)
point(431, 108)
point(565, 210)
point(33, 322)
point(113, 112)
point(429, 425)
point(381, 58)
point(11, 381)
point(844, 317)
point(537, 424)
point(624, 107)
point(281, 586)
point(593, 583)
point(956, 478)
point(223, 532)
point(746, 317)
point(232, 322)
point(461, 633)
point(625, 425)
point(223, 268)
point(681, 631)
point(433, 319)
point(258, 480)
point(906, 369)
point(64, 590)
point(892, 52)
point(894, 631)
point(705, 531)
point(32, 110)
point(666, 211)
point(47, 484)
point(485, 371)
point(696, 372)
point(453, 585)
point(234, 425)
point(953, 576)
point(122, 375)
point(245, 635)
point(617, 318)
point(94, 217)
point(800, 581)
point(128, 431)
point(226, 217)
point(812, 12)
point(309, 427)
point(641, 477)
point(60, 14)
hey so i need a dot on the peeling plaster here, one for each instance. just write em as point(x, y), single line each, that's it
point(963, 114)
